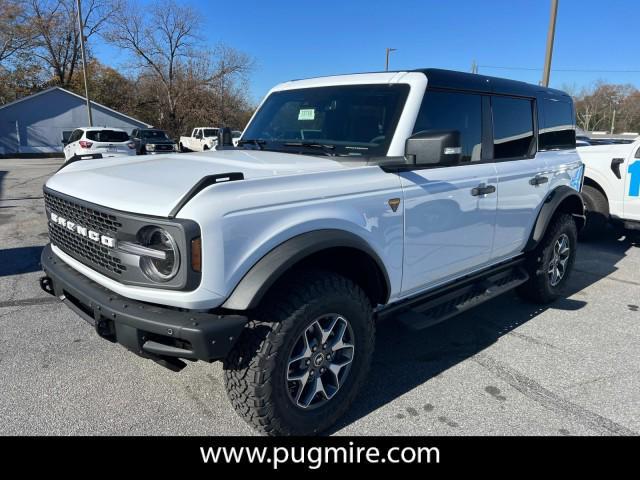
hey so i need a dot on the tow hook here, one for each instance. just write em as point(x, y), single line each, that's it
point(46, 285)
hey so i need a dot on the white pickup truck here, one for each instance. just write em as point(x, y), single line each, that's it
point(201, 140)
point(611, 185)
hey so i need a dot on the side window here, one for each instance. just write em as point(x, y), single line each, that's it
point(557, 129)
point(454, 111)
point(134, 133)
point(512, 127)
point(638, 153)
point(66, 135)
point(75, 136)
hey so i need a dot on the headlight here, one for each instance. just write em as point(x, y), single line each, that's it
point(159, 269)
point(151, 146)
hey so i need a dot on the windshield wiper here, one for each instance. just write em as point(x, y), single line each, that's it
point(253, 141)
point(312, 145)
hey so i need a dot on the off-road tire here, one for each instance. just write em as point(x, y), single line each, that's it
point(597, 211)
point(539, 288)
point(256, 368)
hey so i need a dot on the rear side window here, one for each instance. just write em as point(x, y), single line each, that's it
point(557, 129)
point(454, 111)
point(107, 136)
point(75, 136)
point(512, 127)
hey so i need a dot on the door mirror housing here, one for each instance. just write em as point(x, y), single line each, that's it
point(433, 147)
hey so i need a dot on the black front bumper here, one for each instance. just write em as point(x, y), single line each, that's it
point(161, 333)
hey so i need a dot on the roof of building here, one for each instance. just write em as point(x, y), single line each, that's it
point(96, 104)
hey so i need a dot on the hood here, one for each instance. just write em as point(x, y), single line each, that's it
point(153, 185)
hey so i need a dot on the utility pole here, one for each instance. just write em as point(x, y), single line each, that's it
point(474, 67)
point(84, 64)
point(386, 65)
point(550, 37)
point(613, 121)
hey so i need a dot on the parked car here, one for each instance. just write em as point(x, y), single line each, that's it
point(235, 137)
point(109, 142)
point(410, 195)
point(152, 141)
point(611, 186)
point(201, 140)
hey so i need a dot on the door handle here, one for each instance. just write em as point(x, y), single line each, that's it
point(482, 190)
point(538, 180)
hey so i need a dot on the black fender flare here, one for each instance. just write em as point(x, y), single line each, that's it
point(562, 197)
point(257, 281)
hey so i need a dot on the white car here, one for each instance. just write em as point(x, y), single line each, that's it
point(407, 195)
point(201, 140)
point(109, 142)
point(611, 185)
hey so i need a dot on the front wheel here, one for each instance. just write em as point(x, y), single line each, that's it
point(298, 367)
point(550, 265)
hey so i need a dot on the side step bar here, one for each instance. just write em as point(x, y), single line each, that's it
point(446, 302)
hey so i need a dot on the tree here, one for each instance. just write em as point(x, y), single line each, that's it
point(176, 74)
point(608, 107)
point(15, 35)
point(159, 40)
point(56, 37)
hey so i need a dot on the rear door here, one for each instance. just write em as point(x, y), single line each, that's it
point(522, 177)
point(449, 227)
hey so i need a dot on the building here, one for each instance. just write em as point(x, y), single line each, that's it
point(37, 124)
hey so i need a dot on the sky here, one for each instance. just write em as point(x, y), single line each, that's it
point(299, 39)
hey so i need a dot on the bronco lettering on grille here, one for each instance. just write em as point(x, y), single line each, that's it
point(83, 231)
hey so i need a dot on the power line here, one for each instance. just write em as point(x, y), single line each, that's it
point(574, 70)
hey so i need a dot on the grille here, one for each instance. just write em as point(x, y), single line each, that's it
point(82, 249)
point(164, 148)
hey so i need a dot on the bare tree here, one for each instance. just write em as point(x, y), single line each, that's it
point(56, 33)
point(184, 80)
point(15, 34)
point(160, 40)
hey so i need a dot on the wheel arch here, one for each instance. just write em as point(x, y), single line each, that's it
point(337, 250)
point(594, 183)
point(562, 199)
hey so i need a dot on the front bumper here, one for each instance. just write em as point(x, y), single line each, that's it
point(161, 333)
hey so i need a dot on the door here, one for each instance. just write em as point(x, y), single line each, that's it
point(522, 173)
point(449, 211)
point(632, 186)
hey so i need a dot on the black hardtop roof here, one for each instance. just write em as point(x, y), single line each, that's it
point(452, 79)
point(438, 78)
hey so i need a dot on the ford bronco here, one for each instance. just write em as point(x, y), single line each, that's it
point(410, 195)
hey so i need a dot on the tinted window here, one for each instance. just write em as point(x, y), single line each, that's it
point(454, 111)
point(107, 136)
point(512, 127)
point(154, 134)
point(557, 130)
point(352, 119)
point(210, 132)
point(75, 136)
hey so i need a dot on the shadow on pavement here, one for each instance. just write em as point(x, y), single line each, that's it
point(405, 359)
point(15, 261)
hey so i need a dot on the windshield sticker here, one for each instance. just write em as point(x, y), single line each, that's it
point(307, 114)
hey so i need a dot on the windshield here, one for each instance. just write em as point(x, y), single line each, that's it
point(350, 119)
point(107, 136)
point(154, 134)
point(210, 132)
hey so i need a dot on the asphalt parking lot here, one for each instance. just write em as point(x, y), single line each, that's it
point(505, 368)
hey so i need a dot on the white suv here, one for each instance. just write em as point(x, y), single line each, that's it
point(109, 142)
point(413, 195)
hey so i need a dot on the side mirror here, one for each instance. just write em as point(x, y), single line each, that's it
point(224, 138)
point(433, 147)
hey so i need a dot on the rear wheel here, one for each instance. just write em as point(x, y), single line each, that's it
point(597, 211)
point(550, 265)
point(298, 367)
